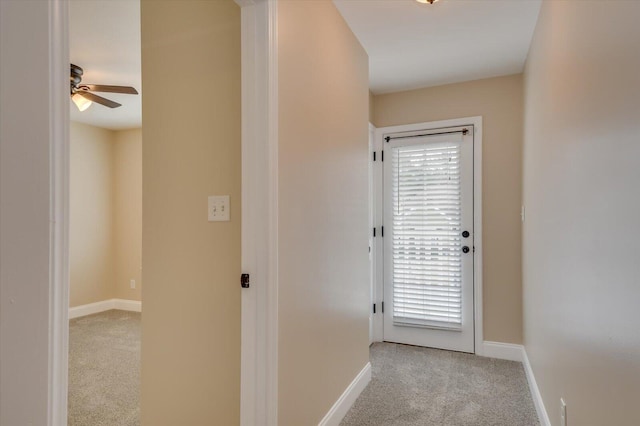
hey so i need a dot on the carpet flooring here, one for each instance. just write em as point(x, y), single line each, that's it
point(429, 387)
point(104, 369)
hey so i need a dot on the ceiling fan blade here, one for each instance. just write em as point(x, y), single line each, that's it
point(98, 99)
point(111, 89)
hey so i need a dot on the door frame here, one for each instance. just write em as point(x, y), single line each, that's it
point(476, 122)
point(59, 212)
point(259, 253)
point(372, 248)
point(259, 341)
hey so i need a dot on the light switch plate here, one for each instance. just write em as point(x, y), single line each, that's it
point(219, 208)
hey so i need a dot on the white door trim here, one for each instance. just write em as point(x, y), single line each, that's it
point(59, 214)
point(372, 253)
point(477, 216)
point(378, 259)
point(259, 323)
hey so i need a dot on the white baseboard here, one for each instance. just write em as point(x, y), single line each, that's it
point(513, 352)
point(535, 392)
point(90, 309)
point(508, 351)
point(105, 305)
point(346, 400)
point(127, 305)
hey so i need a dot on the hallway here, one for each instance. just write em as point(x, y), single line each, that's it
point(423, 386)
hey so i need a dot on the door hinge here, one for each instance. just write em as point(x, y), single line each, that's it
point(382, 231)
point(374, 231)
point(374, 308)
point(382, 155)
point(382, 307)
point(244, 281)
point(374, 156)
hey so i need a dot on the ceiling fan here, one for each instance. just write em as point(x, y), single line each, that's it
point(82, 96)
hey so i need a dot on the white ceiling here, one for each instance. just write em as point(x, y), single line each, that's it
point(410, 45)
point(104, 38)
point(413, 45)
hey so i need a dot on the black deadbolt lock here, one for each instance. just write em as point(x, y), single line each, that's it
point(465, 234)
point(465, 249)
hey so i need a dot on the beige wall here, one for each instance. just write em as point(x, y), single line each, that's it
point(91, 215)
point(105, 217)
point(127, 152)
point(323, 235)
point(191, 267)
point(580, 240)
point(499, 102)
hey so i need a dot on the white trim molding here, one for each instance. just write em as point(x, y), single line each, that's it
point(377, 246)
point(127, 305)
point(372, 241)
point(508, 351)
point(535, 391)
point(59, 125)
point(478, 262)
point(259, 318)
point(512, 352)
point(348, 397)
point(90, 309)
point(105, 305)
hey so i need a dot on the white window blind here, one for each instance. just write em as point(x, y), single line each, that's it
point(426, 194)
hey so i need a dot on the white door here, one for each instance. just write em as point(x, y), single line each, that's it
point(428, 238)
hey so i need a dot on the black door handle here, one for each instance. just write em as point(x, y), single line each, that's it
point(465, 249)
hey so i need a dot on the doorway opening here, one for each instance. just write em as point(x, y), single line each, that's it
point(428, 208)
point(105, 213)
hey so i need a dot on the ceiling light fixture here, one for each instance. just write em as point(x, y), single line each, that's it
point(82, 94)
point(81, 102)
point(427, 1)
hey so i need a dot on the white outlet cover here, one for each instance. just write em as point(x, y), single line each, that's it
point(219, 208)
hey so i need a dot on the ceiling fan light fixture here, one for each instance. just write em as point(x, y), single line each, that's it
point(82, 94)
point(427, 1)
point(81, 102)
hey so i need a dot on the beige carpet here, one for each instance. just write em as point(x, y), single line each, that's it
point(104, 369)
point(430, 387)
